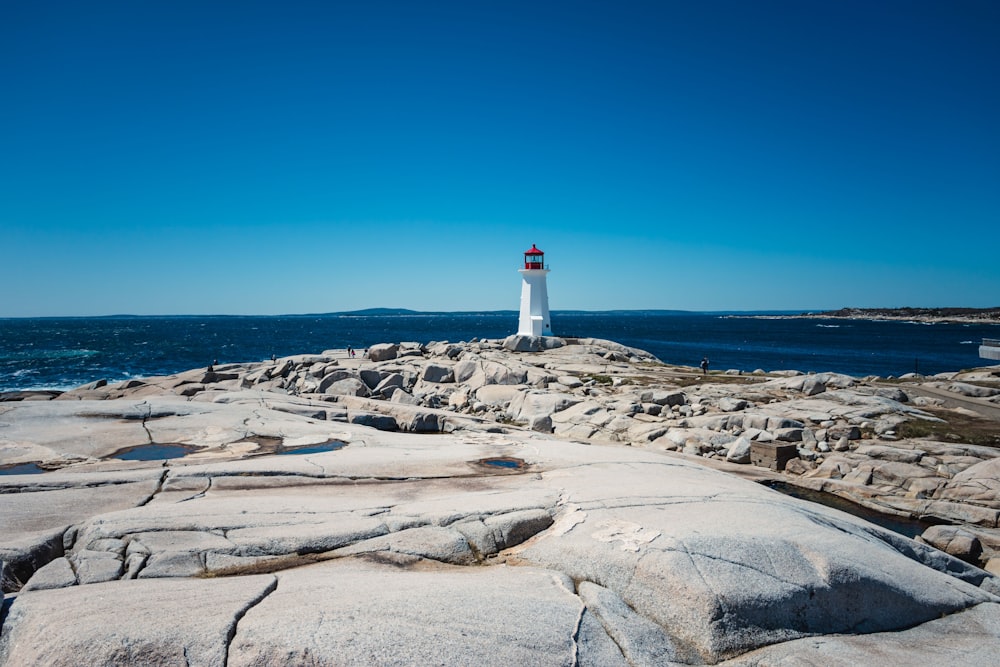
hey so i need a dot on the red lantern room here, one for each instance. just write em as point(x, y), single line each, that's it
point(534, 258)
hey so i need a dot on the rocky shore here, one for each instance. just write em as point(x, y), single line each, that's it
point(929, 315)
point(526, 501)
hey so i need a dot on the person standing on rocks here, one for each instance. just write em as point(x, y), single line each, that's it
point(704, 365)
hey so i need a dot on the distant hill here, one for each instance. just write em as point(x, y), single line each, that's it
point(623, 312)
point(389, 312)
point(398, 312)
point(368, 312)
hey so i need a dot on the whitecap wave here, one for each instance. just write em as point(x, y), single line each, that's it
point(62, 386)
point(45, 355)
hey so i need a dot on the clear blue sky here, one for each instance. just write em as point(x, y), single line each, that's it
point(291, 157)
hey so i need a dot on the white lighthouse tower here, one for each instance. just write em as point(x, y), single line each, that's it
point(534, 319)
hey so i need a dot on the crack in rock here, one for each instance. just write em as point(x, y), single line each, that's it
point(145, 418)
point(44, 485)
point(639, 639)
point(200, 494)
point(322, 469)
point(575, 635)
point(240, 613)
point(720, 608)
point(159, 487)
point(21, 566)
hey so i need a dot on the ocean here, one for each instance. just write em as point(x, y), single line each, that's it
point(62, 353)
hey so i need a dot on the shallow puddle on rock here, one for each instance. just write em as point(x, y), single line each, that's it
point(21, 469)
point(153, 452)
point(331, 446)
point(897, 524)
point(508, 462)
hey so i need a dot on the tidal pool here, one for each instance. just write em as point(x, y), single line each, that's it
point(897, 524)
point(21, 469)
point(503, 462)
point(331, 446)
point(153, 452)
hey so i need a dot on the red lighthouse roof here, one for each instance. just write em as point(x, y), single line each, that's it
point(533, 251)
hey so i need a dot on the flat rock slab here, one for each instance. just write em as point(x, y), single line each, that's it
point(61, 430)
point(485, 544)
point(26, 513)
point(33, 519)
point(161, 622)
point(367, 612)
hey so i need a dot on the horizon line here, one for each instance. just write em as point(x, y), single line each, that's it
point(390, 312)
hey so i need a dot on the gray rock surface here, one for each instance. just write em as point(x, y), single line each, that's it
point(166, 622)
point(977, 391)
point(400, 612)
point(955, 541)
point(739, 451)
point(553, 510)
point(57, 573)
point(383, 352)
point(969, 635)
point(437, 373)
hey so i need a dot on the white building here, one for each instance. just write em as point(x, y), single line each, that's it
point(534, 319)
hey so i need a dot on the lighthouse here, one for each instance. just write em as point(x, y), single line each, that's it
point(534, 318)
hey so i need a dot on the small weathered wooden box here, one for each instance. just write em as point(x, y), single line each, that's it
point(773, 455)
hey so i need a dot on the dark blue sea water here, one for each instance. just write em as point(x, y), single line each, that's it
point(61, 353)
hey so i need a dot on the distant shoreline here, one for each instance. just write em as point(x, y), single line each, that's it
point(929, 315)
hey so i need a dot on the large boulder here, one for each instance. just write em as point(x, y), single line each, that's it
point(372, 376)
point(437, 373)
point(664, 397)
point(812, 386)
point(333, 377)
point(885, 453)
point(350, 386)
point(475, 373)
point(837, 380)
point(739, 451)
point(383, 352)
point(892, 393)
point(978, 484)
point(498, 394)
point(954, 541)
point(58, 573)
point(389, 383)
point(522, 343)
point(527, 406)
point(848, 431)
point(730, 404)
point(972, 390)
